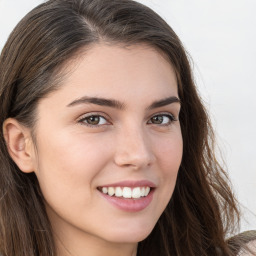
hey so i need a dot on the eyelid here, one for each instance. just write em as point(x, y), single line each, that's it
point(81, 119)
point(164, 113)
point(172, 117)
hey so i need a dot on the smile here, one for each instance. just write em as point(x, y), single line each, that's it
point(126, 192)
point(129, 196)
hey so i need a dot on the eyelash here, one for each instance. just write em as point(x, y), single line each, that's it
point(84, 119)
point(168, 115)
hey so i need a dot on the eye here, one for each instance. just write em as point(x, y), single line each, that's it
point(93, 120)
point(162, 119)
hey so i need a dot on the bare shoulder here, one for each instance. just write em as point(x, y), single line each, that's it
point(244, 244)
point(250, 251)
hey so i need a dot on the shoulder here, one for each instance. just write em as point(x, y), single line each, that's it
point(243, 244)
point(250, 250)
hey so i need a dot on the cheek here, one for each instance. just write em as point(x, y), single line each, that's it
point(72, 152)
point(69, 163)
point(169, 154)
point(68, 167)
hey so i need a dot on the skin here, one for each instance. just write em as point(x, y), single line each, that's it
point(72, 159)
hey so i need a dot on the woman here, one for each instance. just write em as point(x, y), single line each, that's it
point(106, 146)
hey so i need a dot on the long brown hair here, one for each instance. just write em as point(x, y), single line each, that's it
point(202, 210)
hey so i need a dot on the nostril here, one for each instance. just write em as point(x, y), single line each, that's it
point(133, 159)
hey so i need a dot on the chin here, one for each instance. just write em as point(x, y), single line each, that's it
point(130, 234)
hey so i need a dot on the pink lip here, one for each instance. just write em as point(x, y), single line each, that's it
point(130, 205)
point(131, 184)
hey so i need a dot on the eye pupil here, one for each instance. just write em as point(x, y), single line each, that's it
point(93, 120)
point(157, 119)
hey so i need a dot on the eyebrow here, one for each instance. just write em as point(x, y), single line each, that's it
point(97, 101)
point(119, 105)
point(164, 102)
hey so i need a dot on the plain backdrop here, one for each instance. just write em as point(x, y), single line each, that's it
point(220, 37)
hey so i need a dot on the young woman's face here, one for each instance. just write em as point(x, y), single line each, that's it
point(109, 144)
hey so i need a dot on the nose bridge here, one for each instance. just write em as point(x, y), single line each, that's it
point(133, 147)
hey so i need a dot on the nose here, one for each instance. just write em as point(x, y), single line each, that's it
point(133, 149)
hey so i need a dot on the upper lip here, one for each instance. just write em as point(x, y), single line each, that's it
point(131, 183)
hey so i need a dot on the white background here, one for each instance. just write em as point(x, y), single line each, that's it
point(220, 36)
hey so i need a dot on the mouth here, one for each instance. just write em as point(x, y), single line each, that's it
point(126, 192)
point(129, 196)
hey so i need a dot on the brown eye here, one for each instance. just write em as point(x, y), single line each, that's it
point(93, 120)
point(163, 119)
point(157, 119)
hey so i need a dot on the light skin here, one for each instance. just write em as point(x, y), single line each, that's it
point(115, 118)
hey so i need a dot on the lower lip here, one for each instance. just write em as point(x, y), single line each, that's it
point(129, 204)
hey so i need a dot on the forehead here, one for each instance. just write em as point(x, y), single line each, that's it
point(118, 71)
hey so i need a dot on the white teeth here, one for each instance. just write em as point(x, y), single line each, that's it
point(118, 192)
point(143, 191)
point(105, 190)
point(111, 191)
point(147, 191)
point(126, 192)
point(136, 193)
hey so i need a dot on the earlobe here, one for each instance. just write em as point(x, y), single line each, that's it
point(19, 144)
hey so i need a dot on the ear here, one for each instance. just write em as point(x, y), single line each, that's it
point(19, 144)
